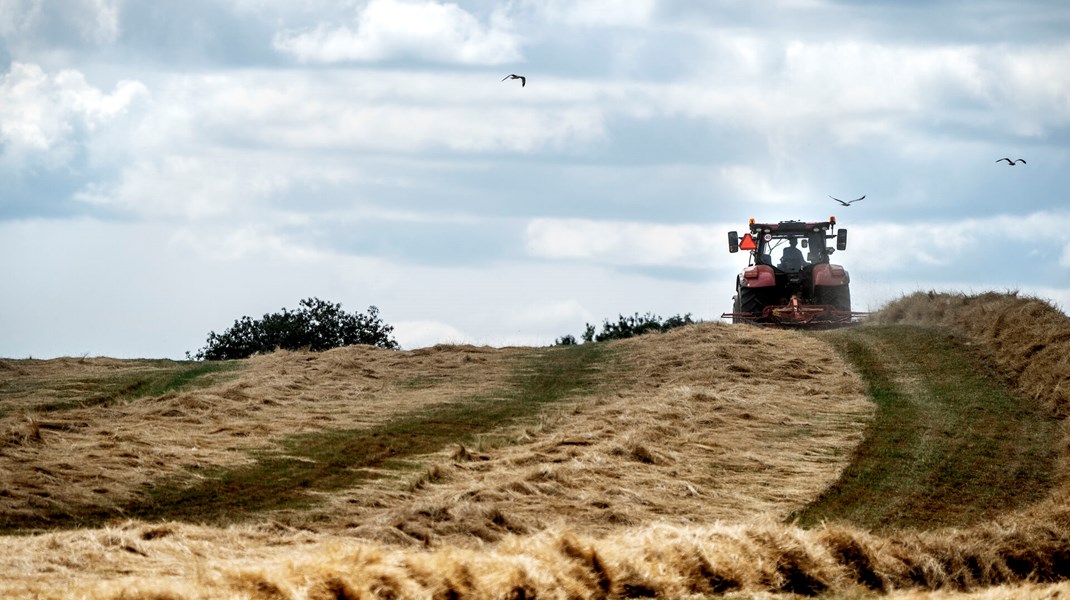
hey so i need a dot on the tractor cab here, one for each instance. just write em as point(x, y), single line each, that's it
point(789, 246)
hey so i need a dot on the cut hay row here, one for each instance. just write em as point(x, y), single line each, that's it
point(657, 561)
point(680, 437)
point(101, 456)
point(675, 483)
point(950, 445)
point(1027, 336)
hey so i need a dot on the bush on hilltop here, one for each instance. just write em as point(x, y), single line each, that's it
point(317, 326)
point(627, 327)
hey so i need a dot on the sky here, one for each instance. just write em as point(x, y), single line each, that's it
point(169, 166)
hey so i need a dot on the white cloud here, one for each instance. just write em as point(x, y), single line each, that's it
point(213, 184)
point(18, 15)
point(388, 29)
point(43, 118)
point(556, 311)
point(855, 91)
point(558, 315)
point(95, 21)
point(105, 25)
point(232, 244)
point(369, 110)
point(595, 13)
point(623, 243)
point(212, 146)
point(883, 247)
point(756, 186)
point(420, 334)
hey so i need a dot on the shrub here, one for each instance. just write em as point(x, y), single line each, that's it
point(317, 325)
point(565, 340)
point(627, 327)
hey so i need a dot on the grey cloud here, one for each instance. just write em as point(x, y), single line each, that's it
point(194, 32)
point(385, 30)
point(199, 32)
point(427, 242)
point(890, 21)
point(66, 24)
point(40, 193)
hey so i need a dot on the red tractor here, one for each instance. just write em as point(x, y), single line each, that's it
point(782, 286)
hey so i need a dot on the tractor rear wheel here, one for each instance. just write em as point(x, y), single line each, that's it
point(748, 300)
point(836, 295)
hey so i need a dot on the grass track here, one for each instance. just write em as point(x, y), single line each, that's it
point(336, 459)
point(951, 445)
point(152, 378)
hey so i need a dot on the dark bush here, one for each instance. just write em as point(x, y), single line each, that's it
point(317, 325)
point(627, 327)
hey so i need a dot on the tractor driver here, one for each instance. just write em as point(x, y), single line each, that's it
point(791, 259)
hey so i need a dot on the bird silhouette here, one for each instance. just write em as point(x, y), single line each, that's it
point(1012, 162)
point(523, 80)
point(848, 203)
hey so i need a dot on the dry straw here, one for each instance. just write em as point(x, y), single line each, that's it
point(673, 482)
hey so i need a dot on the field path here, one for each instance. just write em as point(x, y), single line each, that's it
point(951, 445)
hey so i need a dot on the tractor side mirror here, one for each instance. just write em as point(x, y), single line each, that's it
point(841, 239)
point(733, 242)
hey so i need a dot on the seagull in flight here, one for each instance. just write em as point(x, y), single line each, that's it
point(848, 203)
point(523, 80)
point(1012, 162)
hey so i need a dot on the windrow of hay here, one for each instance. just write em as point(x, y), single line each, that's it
point(697, 414)
point(704, 423)
point(683, 439)
point(100, 456)
point(656, 561)
point(33, 384)
point(633, 497)
point(1028, 336)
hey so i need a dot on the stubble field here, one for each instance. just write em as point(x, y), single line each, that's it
point(669, 465)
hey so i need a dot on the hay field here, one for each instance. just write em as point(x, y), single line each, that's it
point(671, 477)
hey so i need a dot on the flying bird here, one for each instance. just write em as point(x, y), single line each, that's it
point(1012, 162)
point(523, 80)
point(848, 203)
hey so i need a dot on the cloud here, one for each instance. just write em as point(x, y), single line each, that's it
point(420, 334)
point(624, 243)
point(595, 13)
point(242, 242)
point(61, 21)
point(44, 119)
point(218, 145)
point(213, 184)
point(859, 91)
point(758, 188)
point(1025, 249)
point(275, 129)
point(391, 29)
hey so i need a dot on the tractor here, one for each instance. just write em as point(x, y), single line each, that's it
point(789, 281)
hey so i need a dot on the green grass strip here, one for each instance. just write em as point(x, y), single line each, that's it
point(144, 379)
point(950, 445)
point(339, 459)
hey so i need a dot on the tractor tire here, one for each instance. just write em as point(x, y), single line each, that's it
point(748, 301)
point(838, 296)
